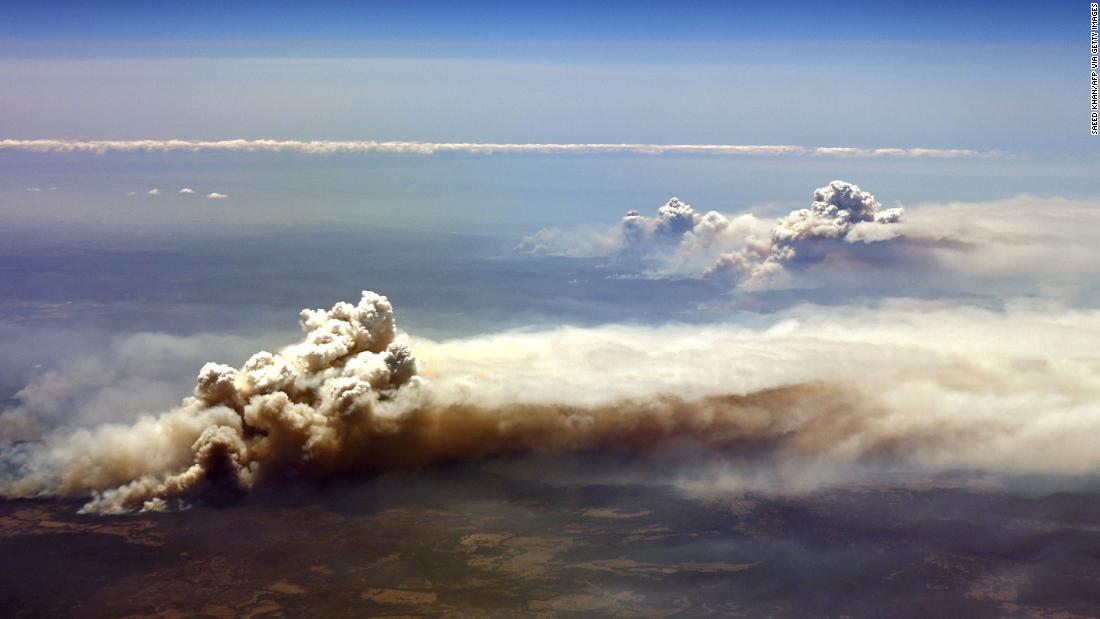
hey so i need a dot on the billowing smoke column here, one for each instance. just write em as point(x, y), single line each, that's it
point(308, 410)
point(840, 211)
point(676, 230)
point(680, 240)
point(679, 236)
point(673, 221)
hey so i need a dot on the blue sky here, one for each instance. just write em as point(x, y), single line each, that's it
point(28, 23)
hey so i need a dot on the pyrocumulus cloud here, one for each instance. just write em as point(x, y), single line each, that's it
point(745, 249)
point(840, 211)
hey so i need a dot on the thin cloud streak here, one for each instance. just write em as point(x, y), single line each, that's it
point(326, 147)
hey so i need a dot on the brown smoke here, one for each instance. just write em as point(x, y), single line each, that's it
point(930, 385)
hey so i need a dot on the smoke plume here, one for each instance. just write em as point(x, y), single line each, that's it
point(921, 384)
point(745, 250)
point(840, 211)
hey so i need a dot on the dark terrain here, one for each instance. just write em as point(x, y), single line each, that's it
point(462, 540)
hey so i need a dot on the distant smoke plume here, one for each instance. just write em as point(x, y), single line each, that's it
point(744, 249)
point(924, 384)
point(840, 211)
point(677, 240)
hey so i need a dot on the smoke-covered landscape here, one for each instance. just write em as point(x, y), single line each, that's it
point(568, 311)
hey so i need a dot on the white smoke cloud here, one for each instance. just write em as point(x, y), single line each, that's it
point(678, 240)
point(216, 196)
point(325, 147)
point(840, 211)
point(153, 192)
point(112, 381)
point(846, 239)
point(1023, 238)
point(746, 249)
point(1005, 248)
point(187, 190)
point(921, 384)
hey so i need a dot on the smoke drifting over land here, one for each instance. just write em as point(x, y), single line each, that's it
point(743, 249)
point(845, 239)
point(926, 385)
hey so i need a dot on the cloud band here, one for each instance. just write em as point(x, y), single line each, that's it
point(328, 147)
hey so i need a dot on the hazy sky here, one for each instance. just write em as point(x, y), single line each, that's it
point(1002, 78)
point(951, 75)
